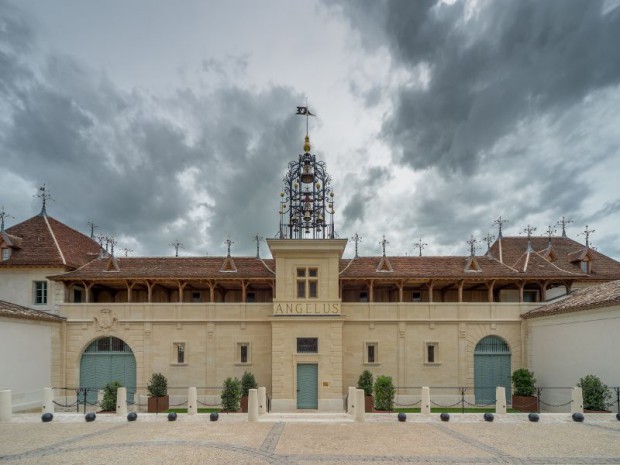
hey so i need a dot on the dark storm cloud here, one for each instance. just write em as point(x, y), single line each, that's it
point(146, 169)
point(356, 206)
point(507, 62)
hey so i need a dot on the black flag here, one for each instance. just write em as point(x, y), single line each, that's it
point(304, 111)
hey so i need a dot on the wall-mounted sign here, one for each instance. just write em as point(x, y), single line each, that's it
point(306, 308)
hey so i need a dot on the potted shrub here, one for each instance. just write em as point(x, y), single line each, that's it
point(384, 393)
point(108, 404)
point(524, 385)
point(231, 395)
point(158, 394)
point(247, 382)
point(596, 394)
point(365, 382)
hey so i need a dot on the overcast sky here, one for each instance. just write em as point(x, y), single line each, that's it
point(163, 120)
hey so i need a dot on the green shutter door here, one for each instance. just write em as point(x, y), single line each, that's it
point(491, 369)
point(307, 386)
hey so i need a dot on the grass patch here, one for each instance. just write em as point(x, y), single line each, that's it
point(200, 410)
point(453, 410)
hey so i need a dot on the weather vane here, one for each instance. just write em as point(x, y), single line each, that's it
point(472, 245)
point(500, 222)
point(383, 243)
point(550, 232)
point(228, 243)
point(357, 239)
point(420, 245)
point(587, 233)
point(258, 240)
point(44, 196)
point(3, 215)
point(93, 226)
point(177, 245)
point(127, 251)
point(564, 222)
point(112, 241)
point(305, 111)
point(489, 238)
point(529, 230)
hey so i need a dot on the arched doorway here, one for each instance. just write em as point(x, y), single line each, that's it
point(491, 368)
point(104, 360)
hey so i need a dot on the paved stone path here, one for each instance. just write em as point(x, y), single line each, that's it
point(303, 439)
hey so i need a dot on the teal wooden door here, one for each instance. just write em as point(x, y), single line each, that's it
point(307, 386)
point(106, 360)
point(491, 369)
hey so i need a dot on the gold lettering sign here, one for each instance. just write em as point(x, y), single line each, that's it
point(306, 308)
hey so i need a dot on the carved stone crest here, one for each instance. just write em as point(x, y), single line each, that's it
point(106, 321)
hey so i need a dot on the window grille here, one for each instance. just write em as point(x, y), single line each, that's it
point(492, 344)
point(307, 345)
point(108, 344)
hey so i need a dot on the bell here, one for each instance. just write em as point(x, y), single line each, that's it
point(307, 215)
point(307, 174)
point(320, 220)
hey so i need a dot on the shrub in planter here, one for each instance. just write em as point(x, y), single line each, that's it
point(247, 382)
point(524, 384)
point(110, 391)
point(384, 393)
point(365, 382)
point(231, 395)
point(158, 393)
point(596, 394)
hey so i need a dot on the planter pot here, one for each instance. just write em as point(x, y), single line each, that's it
point(368, 404)
point(158, 404)
point(244, 404)
point(525, 403)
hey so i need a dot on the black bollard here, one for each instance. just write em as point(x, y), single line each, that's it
point(618, 416)
point(402, 416)
point(214, 416)
point(90, 417)
point(578, 417)
point(47, 417)
point(132, 416)
point(533, 417)
point(445, 416)
point(172, 416)
point(488, 416)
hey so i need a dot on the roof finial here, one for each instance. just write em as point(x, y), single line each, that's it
point(357, 239)
point(127, 251)
point(3, 215)
point(489, 238)
point(44, 196)
point(529, 230)
point(550, 232)
point(228, 242)
point(93, 226)
point(383, 243)
point(420, 245)
point(112, 241)
point(564, 222)
point(177, 245)
point(500, 222)
point(258, 240)
point(472, 245)
point(587, 233)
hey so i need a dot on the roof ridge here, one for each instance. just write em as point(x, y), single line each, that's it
point(49, 227)
point(265, 265)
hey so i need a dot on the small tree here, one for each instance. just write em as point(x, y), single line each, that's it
point(524, 382)
point(231, 394)
point(365, 382)
point(248, 382)
point(596, 394)
point(158, 385)
point(384, 393)
point(110, 392)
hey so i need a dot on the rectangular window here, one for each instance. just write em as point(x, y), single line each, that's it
point(431, 355)
point(6, 253)
point(180, 352)
point(307, 283)
point(363, 296)
point(417, 297)
point(77, 295)
point(307, 345)
point(243, 352)
point(530, 296)
point(196, 297)
point(250, 297)
point(584, 267)
point(372, 352)
point(40, 292)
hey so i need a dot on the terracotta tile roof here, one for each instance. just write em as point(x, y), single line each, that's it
point(599, 296)
point(171, 268)
point(10, 310)
point(564, 250)
point(425, 268)
point(45, 241)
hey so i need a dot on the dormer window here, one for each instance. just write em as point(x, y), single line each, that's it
point(6, 253)
point(585, 266)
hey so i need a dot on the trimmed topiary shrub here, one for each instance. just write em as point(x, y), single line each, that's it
point(384, 393)
point(248, 382)
point(231, 395)
point(110, 392)
point(596, 394)
point(365, 382)
point(158, 385)
point(524, 382)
